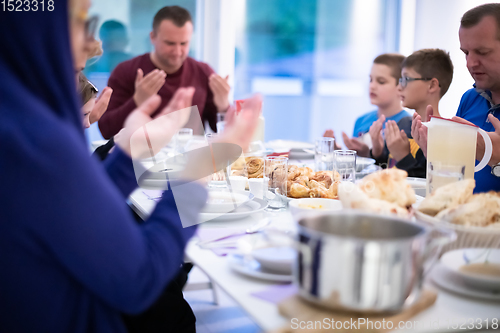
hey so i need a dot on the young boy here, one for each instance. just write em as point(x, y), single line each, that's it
point(88, 94)
point(383, 89)
point(426, 77)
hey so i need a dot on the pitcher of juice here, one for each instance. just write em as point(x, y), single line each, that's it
point(454, 144)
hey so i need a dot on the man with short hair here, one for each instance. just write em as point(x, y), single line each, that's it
point(479, 36)
point(164, 70)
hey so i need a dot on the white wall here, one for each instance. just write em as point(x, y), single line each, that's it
point(436, 26)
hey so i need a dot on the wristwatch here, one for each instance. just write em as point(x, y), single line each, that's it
point(495, 170)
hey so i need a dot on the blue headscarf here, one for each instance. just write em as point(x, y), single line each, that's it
point(37, 74)
point(72, 257)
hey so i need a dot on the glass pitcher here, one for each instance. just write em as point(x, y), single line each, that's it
point(452, 143)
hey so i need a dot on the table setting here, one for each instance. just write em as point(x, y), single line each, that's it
point(331, 234)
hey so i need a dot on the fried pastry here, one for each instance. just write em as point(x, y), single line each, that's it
point(255, 167)
point(302, 180)
point(299, 191)
point(239, 164)
point(324, 177)
point(318, 190)
point(306, 171)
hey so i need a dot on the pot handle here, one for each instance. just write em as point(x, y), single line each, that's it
point(297, 245)
point(433, 248)
point(488, 149)
point(430, 257)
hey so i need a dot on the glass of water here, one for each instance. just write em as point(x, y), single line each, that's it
point(221, 122)
point(323, 154)
point(181, 139)
point(345, 164)
point(275, 178)
point(441, 174)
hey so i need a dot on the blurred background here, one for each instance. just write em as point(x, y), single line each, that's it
point(310, 59)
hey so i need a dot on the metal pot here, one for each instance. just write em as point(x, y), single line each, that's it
point(365, 263)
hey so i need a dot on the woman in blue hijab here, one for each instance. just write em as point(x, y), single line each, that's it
point(71, 256)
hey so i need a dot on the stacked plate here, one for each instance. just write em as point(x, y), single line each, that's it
point(472, 272)
point(230, 206)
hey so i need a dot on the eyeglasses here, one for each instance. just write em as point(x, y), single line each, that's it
point(404, 80)
point(91, 27)
point(94, 88)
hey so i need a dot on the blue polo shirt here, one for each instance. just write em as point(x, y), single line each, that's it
point(364, 122)
point(475, 106)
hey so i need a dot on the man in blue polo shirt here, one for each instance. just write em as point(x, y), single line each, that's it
point(479, 36)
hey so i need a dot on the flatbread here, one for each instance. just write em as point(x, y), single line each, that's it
point(389, 185)
point(481, 210)
point(447, 197)
point(354, 197)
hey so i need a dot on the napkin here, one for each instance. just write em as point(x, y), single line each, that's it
point(277, 293)
point(295, 307)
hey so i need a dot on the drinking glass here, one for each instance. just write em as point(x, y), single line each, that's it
point(221, 122)
point(219, 179)
point(441, 174)
point(323, 154)
point(275, 177)
point(181, 139)
point(345, 164)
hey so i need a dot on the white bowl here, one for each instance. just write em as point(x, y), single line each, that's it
point(313, 205)
point(276, 259)
point(475, 259)
point(224, 202)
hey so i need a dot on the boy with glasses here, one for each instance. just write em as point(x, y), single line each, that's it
point(425, 78)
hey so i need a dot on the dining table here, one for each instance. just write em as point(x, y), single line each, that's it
point(260, 297)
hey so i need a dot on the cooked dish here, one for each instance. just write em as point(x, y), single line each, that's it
point(383, 192)
point(457, 204)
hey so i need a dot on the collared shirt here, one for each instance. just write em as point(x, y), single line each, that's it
point(364, 122)
point(475, 106)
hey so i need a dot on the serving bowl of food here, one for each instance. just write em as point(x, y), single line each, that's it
point(474, 217)
point(313, 205)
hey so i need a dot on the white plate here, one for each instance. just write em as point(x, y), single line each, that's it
point(276, 259)
point(454, 260)
point(256, 205)
point(363, 162)
point(443, 278)
point(224, 201)
point(252, 268)
point(301, 154)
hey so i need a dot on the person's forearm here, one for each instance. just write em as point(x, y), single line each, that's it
point(381, 159)
point(413, 166)
point(120, 169)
